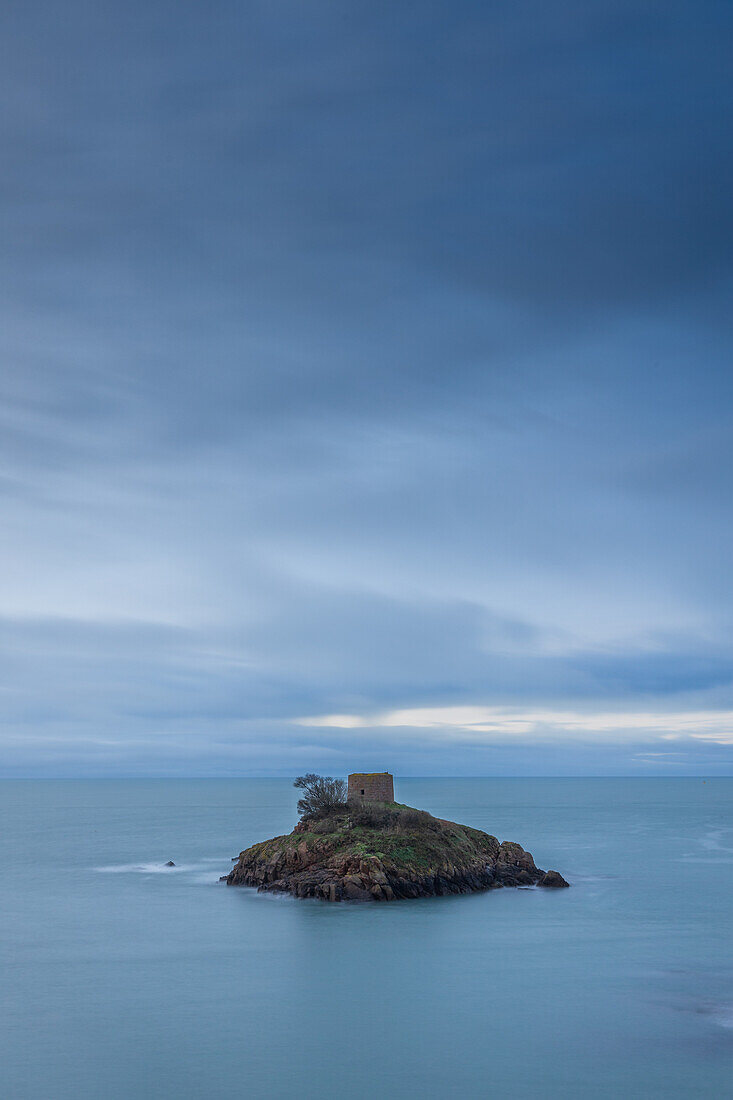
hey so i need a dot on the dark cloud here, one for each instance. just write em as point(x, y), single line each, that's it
point(356, 357)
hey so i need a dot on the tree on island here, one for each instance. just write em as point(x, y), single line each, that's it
point(323, 795)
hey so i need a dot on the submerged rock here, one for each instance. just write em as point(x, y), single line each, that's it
point(385, 852)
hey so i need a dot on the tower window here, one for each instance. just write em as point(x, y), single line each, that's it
point(362, 790)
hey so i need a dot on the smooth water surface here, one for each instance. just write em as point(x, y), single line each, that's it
point(122, 979)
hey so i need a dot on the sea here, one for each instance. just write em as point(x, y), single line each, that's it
point(124, 979)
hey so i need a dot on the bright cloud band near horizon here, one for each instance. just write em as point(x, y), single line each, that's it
point(464, 721)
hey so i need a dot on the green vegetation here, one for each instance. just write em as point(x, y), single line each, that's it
point(399, 836)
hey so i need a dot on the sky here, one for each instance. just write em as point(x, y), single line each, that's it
point(367, 398)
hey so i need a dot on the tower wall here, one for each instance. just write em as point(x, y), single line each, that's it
point(371, 787)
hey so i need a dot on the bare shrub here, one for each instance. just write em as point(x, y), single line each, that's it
point(322, 795)
point(370, 817)
point(411, 819)
point(381, 816)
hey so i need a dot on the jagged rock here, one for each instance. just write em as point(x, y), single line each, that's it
point(553, 879)
point(396, 853)
point(170, 863)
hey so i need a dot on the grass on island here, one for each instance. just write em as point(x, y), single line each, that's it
point(394, 833)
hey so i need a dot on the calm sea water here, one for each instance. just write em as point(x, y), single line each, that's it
point(121, 979)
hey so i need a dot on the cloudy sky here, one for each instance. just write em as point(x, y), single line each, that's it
point(366, 387)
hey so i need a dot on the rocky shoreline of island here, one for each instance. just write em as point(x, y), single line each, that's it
point(386, 853)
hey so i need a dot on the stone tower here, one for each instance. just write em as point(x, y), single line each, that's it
point(371, 787)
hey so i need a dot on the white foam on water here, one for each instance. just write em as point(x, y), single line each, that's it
point(723, 1015)
point(711, 841)
point(157, 868)
point(692, 857)
point(719, 1013)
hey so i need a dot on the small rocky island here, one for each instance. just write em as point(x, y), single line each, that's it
point(367, 847)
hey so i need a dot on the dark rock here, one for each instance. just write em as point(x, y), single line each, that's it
point(553, 879)
point(170, 863)
point(355, 893)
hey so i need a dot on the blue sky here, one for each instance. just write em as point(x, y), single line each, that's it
point(366, 388)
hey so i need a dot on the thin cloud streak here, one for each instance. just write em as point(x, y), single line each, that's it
point(540, 723)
